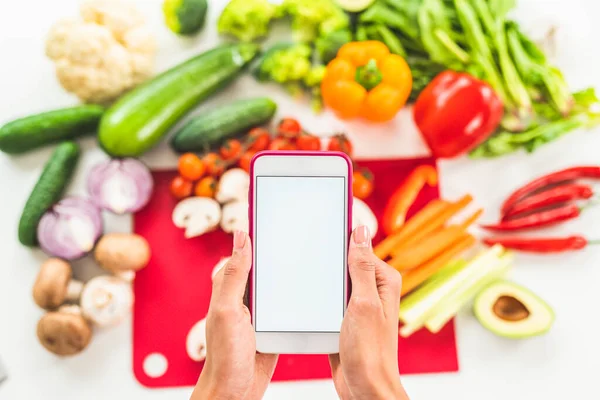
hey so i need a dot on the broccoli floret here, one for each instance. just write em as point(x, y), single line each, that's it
point(185, 17)
point(290, 66)
point(247, 20)
point(315, 76)
point(287, 65)
point(312, 18)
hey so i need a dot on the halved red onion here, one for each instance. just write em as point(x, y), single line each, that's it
point(121, 185)
point(70, 228)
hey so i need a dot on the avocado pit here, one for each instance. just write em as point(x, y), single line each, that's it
point(510, 309)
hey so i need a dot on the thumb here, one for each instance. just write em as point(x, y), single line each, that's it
point(233, 277)
point(362, 263)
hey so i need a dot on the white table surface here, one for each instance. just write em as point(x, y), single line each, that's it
point(563, 364)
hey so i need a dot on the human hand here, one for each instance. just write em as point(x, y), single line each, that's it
point(367, 365)
point(233, 369)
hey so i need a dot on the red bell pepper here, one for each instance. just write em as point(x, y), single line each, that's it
point(456, 112)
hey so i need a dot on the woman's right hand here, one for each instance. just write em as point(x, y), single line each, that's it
point(367, 365)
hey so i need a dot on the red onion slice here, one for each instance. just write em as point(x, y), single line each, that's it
point(70, 228)
point(121, 185)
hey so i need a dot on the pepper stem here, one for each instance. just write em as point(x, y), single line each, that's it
point(369, 76)
point(593, 242)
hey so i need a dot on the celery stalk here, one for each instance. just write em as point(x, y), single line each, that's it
point(462, 295)
point(430, 286)
point(411, 310)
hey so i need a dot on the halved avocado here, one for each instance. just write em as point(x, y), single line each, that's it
point(512, 311)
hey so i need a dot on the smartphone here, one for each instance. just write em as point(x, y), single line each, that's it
point(300, 220)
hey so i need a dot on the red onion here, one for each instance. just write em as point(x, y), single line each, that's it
point(70, 228)
point(120, 185)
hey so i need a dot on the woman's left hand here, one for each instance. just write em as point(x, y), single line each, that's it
point(233, 369)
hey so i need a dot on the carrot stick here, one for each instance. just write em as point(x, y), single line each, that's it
point(471, 220)
point(419, 232)
point(421, 218)
point(412, 279)
point(428, 248)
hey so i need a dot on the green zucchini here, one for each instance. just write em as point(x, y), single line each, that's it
point(38, 130)
point(48, 190)
point(211, 129)
point(141, 118)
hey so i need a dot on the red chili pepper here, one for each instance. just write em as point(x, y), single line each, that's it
point(550, 197)
point(564, 175)
point(540, 245)
point(456, 112)
point(543, 218)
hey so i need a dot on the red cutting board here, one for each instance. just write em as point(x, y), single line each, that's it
point(173, 292)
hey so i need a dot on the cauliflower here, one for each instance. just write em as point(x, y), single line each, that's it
point(105, 53)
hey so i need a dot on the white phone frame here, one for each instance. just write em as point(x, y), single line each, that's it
point(305, 166)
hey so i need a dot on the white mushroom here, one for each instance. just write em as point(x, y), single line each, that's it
point(54, 286)
point(219, 266)
point(122, 254)
point(195, 343)
point(106, 300)
point(363, 215)
point(197, 215)
point(235, 217)
point(233, 186)
point(64, 332)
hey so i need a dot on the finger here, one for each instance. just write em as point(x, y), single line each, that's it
point(230, 282)
point(334, 363)
point(362, 263)
point(389, 285)
point(338, 377)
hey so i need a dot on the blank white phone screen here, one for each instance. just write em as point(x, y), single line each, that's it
point(300, 253)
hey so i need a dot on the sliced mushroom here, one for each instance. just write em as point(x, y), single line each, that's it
point(54, 286)
point(122, 254)
point(196, 341)
point(363, 215)
point(235, 217)
point(198, 215)
point(219, 266)
point(64, 332)
point(106, 300)
point(233, 186)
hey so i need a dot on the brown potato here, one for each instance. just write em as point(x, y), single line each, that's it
point(118, 252)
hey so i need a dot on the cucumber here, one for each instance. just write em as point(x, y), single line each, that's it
point(211, 129)
point(38, 130)
point(141, 118)
point(48, 190)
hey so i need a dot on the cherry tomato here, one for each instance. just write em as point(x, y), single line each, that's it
point(231, 150)
point(214, 164)
point(289, 128)
point(308, 142)
point(259, 139)
point(341, 143)
point(206, 187)
point(281, 144)
point(191, 167)
point(244, 162)
point(362, 183)
point(181, 187)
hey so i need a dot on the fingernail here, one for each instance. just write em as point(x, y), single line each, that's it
point(239, 239)
point(362, 236)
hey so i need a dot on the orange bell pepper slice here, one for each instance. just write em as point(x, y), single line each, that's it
point(365, 80)
point(399, 203)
